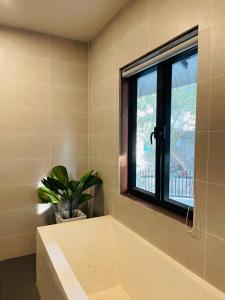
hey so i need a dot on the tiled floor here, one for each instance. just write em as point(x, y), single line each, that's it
point(17, 279)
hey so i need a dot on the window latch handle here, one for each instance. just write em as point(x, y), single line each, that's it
point(158, 134)
point(153, 134)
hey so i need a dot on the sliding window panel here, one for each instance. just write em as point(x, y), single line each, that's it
point(182, 130)
point(145, 123)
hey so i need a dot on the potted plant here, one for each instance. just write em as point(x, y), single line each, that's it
point(67, 195)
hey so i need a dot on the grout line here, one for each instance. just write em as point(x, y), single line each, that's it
point(43, 58)
point(216, 236)
point(17, 235)
point(208, 149)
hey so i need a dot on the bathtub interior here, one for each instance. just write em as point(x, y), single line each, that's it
point(113, 263)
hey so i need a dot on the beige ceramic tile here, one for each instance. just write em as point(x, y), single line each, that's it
point(24, 121)
point(24, 42)
point(133, 46)
point(103, 68)
point(202, 109)
point(18, 245)
point(204, 54)
point(131, 16)
point(217, 108)
point(107, 171)
point(23, 68)
point(215, 210)
point(69, 99)
point(68, 75)
point(201, 155)
point(24, 95)
point(132, 214)
point(215, 262)
point(104, 147)
point(104, 40)
point(103, 95)
point(65, 122)
point(15, 172)
point(68, 50)
point(178, 17)
point(166, 233)
point(102, 121)
point(21, 221)
point(218, 10)
point(105, 201)
point(24, 146)
point(218, 48)
point(69, 145)
point(18, 197)
point(216, 157)
point(200, 205)
point(156, 5)
point(76, 166)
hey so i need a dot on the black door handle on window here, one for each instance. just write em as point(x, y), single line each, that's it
point(158, 134)
point(152, 134)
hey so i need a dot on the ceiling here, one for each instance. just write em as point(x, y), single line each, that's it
point(76, 19)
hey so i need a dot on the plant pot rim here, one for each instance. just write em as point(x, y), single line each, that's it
point(81, 216)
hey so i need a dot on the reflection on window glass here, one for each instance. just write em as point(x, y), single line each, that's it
point(182, 136)
point(146, 121)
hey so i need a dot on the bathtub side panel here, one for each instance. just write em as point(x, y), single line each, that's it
point(48, 284)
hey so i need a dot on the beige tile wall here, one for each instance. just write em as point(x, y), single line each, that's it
point(138, 28)
point(43, 122)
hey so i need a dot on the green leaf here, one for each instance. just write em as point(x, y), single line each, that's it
point(73, 185)
point(90, 181)
point(48, 196)
point(55, 183)
point(84, 198)
point(60, 173)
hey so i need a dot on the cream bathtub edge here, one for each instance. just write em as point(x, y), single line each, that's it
point(66, 276)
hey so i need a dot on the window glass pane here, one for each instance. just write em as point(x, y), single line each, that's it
point(182, 138)
point(146, 121)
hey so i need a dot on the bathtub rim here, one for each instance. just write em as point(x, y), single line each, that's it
point(63, 270)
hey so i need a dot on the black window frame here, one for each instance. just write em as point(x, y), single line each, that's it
point(163, 115)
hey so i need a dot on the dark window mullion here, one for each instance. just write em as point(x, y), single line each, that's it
point(132, 133)
point(166, 120)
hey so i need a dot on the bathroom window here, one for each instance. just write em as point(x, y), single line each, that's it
point(158, 108)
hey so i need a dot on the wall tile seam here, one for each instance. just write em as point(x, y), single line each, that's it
point(70, 157)
point(21, 81)
point(216, 237)
point(159, 9)
point(16, 108)
point(105, 160)
point(105, 134)
point(68, 63)
point(208, 144)
point(83, 87)
point(34, 57)
point(102, 108)
point(17, 185)
point(25, 160)
point(47, 59)
point(53, 85)
point(68, 134)
point(69, 110)
point(114, 46)
point(101, 81)
point(34, 208)
point(17, 235)
point(24, 134)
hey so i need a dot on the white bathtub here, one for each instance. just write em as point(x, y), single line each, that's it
point(101, 259)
